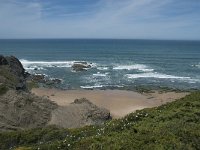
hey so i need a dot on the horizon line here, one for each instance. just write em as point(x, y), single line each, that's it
point(100, 39)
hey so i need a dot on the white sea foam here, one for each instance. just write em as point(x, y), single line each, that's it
point(198, 66)
point(45, 75)
point(31, 65)
point(102, 68)
point(91, 87)
point(100, 86)
point(34, 68)
point(139, 67)
point(98, 74)
point(154, 75)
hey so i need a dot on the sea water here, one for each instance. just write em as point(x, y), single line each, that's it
point(115, 63)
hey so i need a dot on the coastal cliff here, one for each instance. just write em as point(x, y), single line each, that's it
point(21, 109)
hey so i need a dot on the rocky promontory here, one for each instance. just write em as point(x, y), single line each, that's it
point(20, 109)
point(12, 73)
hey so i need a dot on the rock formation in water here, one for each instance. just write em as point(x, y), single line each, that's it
point(80, 66)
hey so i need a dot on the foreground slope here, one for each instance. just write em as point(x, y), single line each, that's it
point(174, 125)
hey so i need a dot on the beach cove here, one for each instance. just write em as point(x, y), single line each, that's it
point(118, 102)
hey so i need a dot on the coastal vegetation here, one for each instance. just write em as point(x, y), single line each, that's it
point(175, 125)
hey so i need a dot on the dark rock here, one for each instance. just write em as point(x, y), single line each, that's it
point(38, 78)
point(80, 66)
point(3, 60)
point(82, 100)
point(53, 81)
point(16, 66)
point(56, 81)
point(13, 72)
point(21, 86)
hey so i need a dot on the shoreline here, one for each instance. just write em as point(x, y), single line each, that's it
point(118, 102)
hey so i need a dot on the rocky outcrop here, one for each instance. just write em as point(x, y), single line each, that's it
point(47, 82)
point(3, 60)
point(80, 66)
point(12, 73)
point(40, 78)
point(78, 114)
point(21, 110)
point(16, 66)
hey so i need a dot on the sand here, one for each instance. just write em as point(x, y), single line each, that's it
point(118, 102)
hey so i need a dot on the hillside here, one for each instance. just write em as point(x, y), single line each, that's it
point(174, 125)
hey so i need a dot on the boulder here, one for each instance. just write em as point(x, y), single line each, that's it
point(80, 66)
point(40, 78)
point(56, 81)
point(21, 86)
point(53, 81)
point(82, 101)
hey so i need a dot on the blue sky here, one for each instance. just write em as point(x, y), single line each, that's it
point(134, 19)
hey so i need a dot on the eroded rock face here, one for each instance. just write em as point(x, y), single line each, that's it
point(78, 114)
point(11, 69)
point(21, 110)
point(3, 60)
point(81, 66)
point(16, 66)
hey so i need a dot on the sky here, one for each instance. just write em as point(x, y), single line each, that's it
point(120, 19)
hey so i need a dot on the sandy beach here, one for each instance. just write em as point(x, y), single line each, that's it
point(118, 102)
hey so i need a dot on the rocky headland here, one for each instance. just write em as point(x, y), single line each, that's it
point(20, 109)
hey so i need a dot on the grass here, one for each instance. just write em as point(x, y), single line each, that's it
point(174, 125)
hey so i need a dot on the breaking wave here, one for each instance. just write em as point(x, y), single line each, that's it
point(154, 75)
point(139, 67)
point(41, 65)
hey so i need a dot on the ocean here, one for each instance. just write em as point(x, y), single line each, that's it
point(115, 63)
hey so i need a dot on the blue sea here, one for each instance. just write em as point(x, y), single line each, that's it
point(115, 63)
